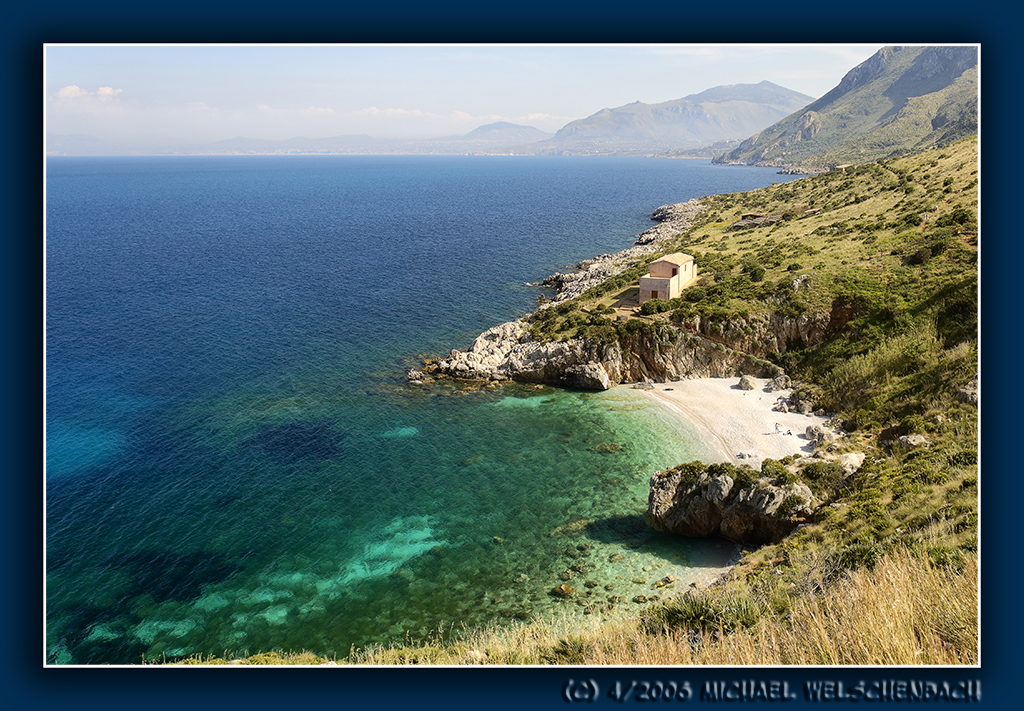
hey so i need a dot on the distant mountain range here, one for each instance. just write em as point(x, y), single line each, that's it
point(899, 100)
point(722, 113)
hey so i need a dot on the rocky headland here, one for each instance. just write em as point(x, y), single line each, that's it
point(745, 424)
point(700, 348)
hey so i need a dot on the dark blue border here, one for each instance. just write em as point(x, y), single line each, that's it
point(28, 685)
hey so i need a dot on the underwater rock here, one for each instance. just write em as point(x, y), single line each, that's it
point(563, 591)
point(400, 433)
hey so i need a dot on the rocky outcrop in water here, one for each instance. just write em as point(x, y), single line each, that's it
point(698, 500)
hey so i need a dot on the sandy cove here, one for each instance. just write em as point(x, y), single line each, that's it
point(740, 424)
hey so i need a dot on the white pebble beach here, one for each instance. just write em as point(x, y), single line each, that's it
point(740, 424)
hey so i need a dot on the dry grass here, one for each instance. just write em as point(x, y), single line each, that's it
point(905, 611)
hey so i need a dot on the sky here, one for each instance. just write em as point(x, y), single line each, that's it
point(173, 95)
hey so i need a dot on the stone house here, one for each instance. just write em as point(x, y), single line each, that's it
point(668, 277)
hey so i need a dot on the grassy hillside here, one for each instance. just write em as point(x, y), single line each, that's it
point(889, 251)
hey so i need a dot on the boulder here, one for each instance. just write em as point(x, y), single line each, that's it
point(747, 382)
point(818, 434)
point(851, 461)
point(914, 441)
point(698, 500)
point(589, 376)
point(755, 514)
point(969, 392)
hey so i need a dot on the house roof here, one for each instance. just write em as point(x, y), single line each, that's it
point(676, 258)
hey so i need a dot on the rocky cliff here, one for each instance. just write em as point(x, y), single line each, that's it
point(700, 500)
point(698, 348)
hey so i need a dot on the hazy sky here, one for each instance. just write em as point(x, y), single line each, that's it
point(174, 94)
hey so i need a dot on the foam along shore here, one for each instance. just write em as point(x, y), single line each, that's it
point(740, 424)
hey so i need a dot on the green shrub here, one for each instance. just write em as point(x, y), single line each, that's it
point(777, 471)
point(742, 477)
point(654, 306)
point(571, 650)
point(824, 478)
point(959, 216)
point(684, 311)
point(689, 473)
point(789, 502)
point(921, 256)
point(861, 555)
point(704, 613)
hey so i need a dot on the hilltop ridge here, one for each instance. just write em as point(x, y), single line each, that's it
point(900, 100)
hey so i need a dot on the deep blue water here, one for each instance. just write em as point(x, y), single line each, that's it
point(234, 461)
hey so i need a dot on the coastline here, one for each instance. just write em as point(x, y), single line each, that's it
point(739, 424)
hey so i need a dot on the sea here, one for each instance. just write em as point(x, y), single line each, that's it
point(235, 461)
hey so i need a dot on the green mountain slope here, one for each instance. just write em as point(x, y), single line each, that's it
point(900, 100)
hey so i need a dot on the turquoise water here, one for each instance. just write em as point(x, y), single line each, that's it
point(234, 460)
